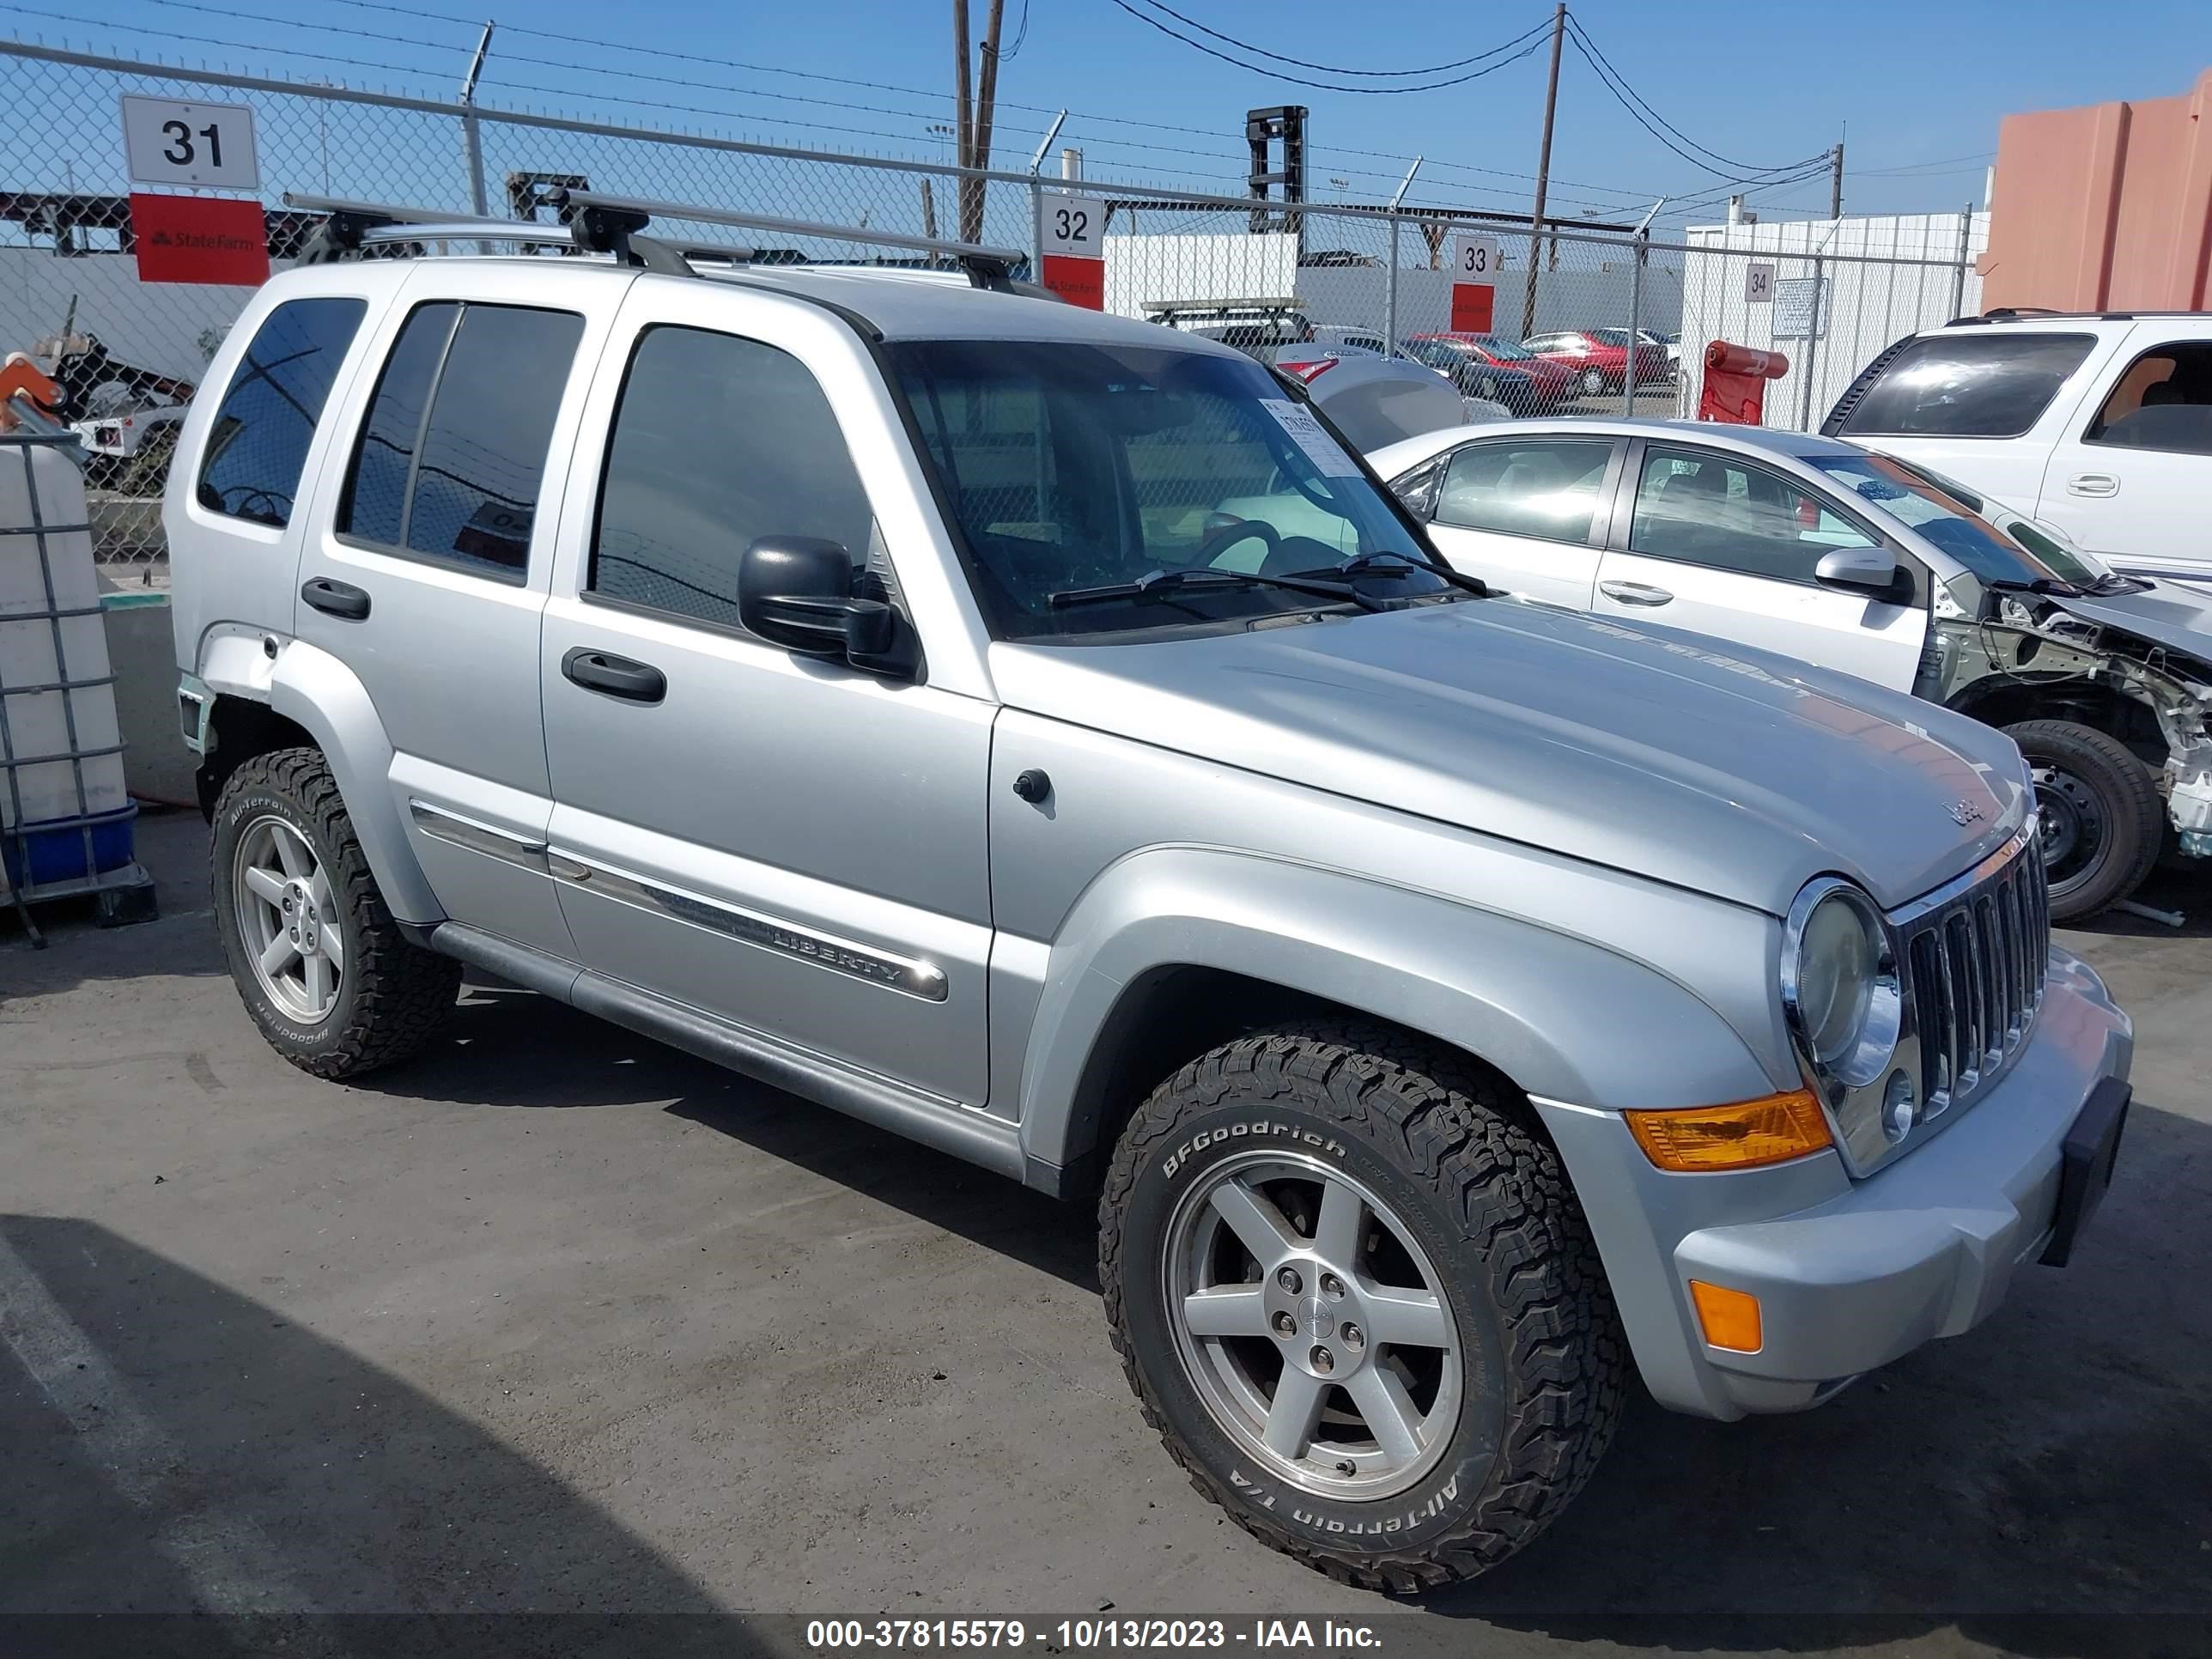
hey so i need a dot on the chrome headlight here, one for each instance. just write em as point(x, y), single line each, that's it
point(1840, 990)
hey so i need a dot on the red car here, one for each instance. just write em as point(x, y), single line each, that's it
point(1598, 358)
point(1531, 384)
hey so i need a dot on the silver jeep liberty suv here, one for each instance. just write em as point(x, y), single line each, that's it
point(931, 699)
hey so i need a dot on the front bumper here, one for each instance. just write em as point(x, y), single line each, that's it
point(1850, 1275)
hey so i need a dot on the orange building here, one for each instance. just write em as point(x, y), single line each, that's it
point(2107, 207)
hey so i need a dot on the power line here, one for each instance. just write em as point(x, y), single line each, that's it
point(1923, 168)
point(597, 45)
point(1021, 34)
point(1660, 128)
point(1329, 68)
point(1618, 84)
point(1533, 37)
point(499, 59)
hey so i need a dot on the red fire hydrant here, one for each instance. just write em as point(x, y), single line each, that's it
point(1735, 383)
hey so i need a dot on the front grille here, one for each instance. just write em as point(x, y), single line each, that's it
point(1974, 962)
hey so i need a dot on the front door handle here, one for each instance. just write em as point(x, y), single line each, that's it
point(336, 599)
point(1635, 592)
point(617, 677)
point(2093, 484)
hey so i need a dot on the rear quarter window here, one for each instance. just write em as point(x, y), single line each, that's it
point(1992, 383)
point(257, 446)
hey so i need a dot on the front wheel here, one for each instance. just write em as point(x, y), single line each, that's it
point(1593, 382)
point(2102, 821)
point(1355, 1294)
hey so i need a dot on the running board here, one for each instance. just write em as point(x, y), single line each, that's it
point(948, 1127)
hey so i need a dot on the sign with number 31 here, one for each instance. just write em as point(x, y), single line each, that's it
point(168, 142)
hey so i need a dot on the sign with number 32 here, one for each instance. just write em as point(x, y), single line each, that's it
point(168, 142)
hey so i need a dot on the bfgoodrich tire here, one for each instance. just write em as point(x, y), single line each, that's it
point(319, 963)
point(2102, 821)
point(1355, 1294)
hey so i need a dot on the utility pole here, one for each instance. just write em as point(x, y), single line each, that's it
point(1836, 183)
point(972, 120)
point(1543, 173)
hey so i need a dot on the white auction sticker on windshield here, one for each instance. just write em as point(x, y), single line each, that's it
point(1323, 450)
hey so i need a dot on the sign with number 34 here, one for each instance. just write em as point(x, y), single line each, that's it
point(169, 141)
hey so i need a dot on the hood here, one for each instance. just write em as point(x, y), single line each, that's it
point(1727, 771)
point(2165, 613)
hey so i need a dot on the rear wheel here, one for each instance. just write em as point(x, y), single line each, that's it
point(2102, 822)
point(1356, 1297)
point(1593, 382)
point(318, 961)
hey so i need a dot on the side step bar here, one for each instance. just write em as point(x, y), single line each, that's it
point(950, 1127)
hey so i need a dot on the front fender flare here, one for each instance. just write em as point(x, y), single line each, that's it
point(1561, 1016)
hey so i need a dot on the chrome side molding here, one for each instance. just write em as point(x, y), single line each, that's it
point(457, 831)
point(913, 976)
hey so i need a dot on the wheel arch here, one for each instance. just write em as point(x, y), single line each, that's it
point(1176, 949)
point(2002, 702)
point(305, 696)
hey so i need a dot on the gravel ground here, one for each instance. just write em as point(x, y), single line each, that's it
point(557, 1319)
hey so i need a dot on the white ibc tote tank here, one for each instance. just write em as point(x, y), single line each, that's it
point(65, 812)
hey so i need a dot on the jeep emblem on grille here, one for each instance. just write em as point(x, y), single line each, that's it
point(1963, 812)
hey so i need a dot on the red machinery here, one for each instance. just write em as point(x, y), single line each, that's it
point(1735, 383)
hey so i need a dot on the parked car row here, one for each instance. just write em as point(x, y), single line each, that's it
point(1823, 552)
point(1041, 734)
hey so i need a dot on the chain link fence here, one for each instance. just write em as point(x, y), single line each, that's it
point(1613, 322)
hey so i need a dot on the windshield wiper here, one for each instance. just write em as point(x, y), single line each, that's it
point(2112, 584)
point(1161, 583)
point(1372, 564)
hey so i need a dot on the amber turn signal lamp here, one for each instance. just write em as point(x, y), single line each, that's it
point(1728, 1318)
point(1769, 1130)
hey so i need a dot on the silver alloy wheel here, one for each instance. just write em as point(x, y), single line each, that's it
point(1593, 382)
point(1326, 1350)
point(288, 919)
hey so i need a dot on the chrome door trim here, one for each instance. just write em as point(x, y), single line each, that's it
point(455, 830)
point(914, 976)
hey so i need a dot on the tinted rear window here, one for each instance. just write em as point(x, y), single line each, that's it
point(1983, 384)
point(460, 484)
point(259, 443)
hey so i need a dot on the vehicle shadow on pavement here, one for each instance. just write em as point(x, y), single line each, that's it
point(505, 1047)
point(176, 1448)
point(2041, 1484)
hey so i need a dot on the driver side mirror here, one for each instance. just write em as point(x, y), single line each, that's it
point(797, 592)
point(1862, 569)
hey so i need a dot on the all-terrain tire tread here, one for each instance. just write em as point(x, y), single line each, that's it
point(403, 993)
point(1463, 1132)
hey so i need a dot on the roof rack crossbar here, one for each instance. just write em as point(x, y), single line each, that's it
point(987, 267)
point(351, 226)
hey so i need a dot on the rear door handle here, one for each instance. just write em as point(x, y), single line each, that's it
point(2093, 484)
point(336, 599)
point(617, 677)
point(1635, 592)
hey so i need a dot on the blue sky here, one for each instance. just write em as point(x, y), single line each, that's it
point(1922, 86)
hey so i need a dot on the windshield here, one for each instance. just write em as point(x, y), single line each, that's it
point(1610, 336)
point(1992, 543)
point(1510, 350)
point(1074, 466)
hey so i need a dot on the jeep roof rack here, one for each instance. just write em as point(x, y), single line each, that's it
point(985, 267)
point(1266, 306)
point(593, 222)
